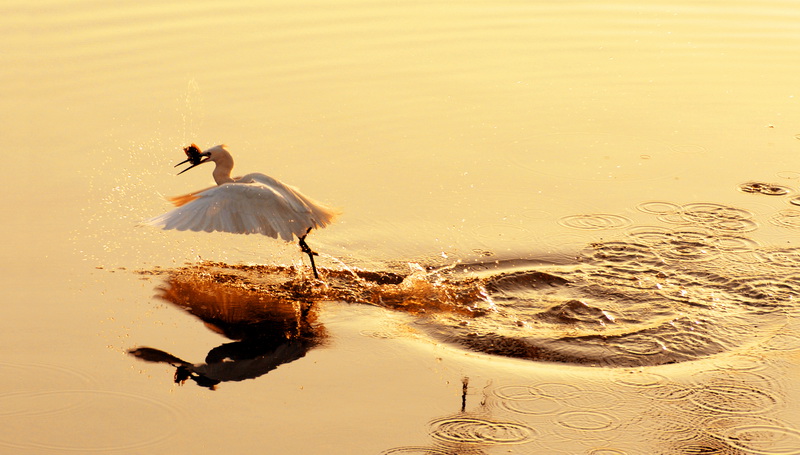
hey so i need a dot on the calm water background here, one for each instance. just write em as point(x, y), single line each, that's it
point(445, 131)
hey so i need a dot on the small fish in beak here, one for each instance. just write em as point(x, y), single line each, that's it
point(194, 156)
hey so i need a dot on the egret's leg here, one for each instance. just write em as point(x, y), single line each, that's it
point(305, 249)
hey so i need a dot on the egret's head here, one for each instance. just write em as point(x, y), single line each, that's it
point(217, 154)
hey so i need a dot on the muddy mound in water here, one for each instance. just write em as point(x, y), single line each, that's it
point(662, 294)
point(584, 314)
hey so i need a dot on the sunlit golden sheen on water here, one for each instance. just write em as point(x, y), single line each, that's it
point(568, 228)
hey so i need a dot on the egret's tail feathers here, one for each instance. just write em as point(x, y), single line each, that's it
point(178, 201)
point(323, 215)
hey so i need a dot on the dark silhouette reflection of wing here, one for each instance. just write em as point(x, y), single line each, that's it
point(267, 332)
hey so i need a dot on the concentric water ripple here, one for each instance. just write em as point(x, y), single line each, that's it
point(639, 379)
point(528, 400)
point(692, 239)
point(753, 378)
point(422, 450)
point(733, 399)
point(477, 430)
point(780, 257)
point(735, 244)
point(681, 249)
point(595, 221)
point(789, 219)
point(789, 175)
point(741, 363)
point(713, 216)
point(594, 399)
point(764, 439)
point(658, 208)
point(621, 252)
point(670, 392)
point(784, 342)
point(605, 451)
point(558, 390)
point(137, 421)
point(587, 420)
point(648, 234)
point(32, 389)
point(709, 212)
point(662, 422)
point(754, 434)
point(534, 405)
point(701, 446)
point(516, 392)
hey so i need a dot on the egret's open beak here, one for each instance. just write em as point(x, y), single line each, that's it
point(190, 167)
point(194, 156)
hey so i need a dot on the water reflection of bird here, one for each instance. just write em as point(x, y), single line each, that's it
point(266, 332)
point(246, 364)
point(252, 204)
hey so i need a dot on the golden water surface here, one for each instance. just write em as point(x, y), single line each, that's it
point(567, 227)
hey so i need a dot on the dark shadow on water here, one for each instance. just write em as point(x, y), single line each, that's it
point(266, 332)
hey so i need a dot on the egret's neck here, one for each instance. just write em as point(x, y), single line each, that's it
point(222, 172)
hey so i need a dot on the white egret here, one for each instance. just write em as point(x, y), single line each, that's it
point(252, 204)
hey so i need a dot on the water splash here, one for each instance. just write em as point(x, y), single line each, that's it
point(193, 111)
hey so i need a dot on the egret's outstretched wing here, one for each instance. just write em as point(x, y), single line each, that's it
point(256, 204)
point(319, 214)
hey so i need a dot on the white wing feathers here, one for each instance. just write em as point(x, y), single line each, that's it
point(254, 204)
